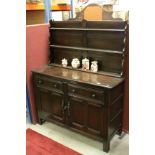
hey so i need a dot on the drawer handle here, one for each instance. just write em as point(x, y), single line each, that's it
point(93, 95)
point(40, 81)
point(63, 107)
point(68, 108)
point(73, 90)
point(55, 85)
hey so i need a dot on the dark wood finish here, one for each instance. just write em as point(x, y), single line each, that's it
point(76, 75)
point(79, 91)
point(87, 29)
point(87, 102)
point(83, 101)
point(87, 49)
point(103, 41)
point(50, 103)
point(89, 71)
point(126, 89)
point(91, 117)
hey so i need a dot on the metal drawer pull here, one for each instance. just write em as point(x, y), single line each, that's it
point(73, 90)
point(68, 108)
point(62, 105)
point(40, 81)
point(93, 95)
point(55, 85)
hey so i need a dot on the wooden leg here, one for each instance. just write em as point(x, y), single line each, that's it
point(106, 146)
point(119, 132)
point(41, 121)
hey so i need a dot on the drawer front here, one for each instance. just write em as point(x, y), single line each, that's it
point(85, 92)
point(48, 83)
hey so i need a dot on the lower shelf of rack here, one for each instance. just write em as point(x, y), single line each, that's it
point(99, 72)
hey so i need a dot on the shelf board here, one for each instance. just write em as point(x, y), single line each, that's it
point(89, 71)
point(87, 29)
point(40, 6)
point(87, 49)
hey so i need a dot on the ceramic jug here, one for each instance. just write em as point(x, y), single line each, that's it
point(75, 63)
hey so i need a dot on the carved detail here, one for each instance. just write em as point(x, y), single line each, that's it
point(124, 40)
point(106, 12)
point(68, 108)
point(123, 60)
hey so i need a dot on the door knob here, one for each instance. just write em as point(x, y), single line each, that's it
point(73, 90)
point(68, 108)
point(40, 81)
point(93, 95)
point(55, 85)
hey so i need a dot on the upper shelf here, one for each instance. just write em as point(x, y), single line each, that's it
point(40, 6)
point(87, 29)
point(88, 49)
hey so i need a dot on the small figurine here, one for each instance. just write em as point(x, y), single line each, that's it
point(94, 66)
point(64, 62)
point(85, 64)
point(75, 63)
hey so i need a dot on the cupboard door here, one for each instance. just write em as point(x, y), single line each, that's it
point(76, 113)
point(50, 104)
point(57, 107)
point(95, 118)
point(85, 115)
point(43, 103)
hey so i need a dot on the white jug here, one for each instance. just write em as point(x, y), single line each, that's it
point(75, 63)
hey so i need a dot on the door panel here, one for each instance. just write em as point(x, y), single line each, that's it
point(95, 118)
point(81, 114)
point(86, 116)
point(50, 105)
point(77, 111)
point(57, 103)
point(43, 103)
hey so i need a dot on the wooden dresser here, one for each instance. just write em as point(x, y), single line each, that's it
point(87, 102)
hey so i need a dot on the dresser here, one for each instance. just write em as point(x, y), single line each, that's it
point(87, 102)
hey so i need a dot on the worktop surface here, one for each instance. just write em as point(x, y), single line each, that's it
point(79, 76)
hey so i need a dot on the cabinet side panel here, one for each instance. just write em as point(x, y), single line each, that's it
point(116, 109)
point(126, 95)
point(95, 119)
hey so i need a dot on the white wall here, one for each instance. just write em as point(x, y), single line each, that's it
point(123, 5)
point(57, 15)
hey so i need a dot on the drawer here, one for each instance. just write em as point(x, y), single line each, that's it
point(48, 83)
point(85, 92)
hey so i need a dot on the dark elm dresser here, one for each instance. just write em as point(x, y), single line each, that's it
point(88, 102)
